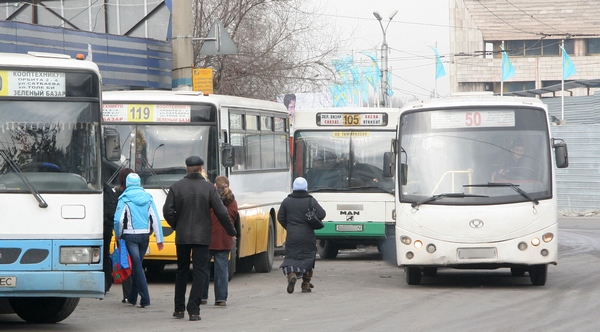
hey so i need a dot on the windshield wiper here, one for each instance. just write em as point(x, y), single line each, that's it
point(162, 186)
point(36, 194)
point(448, 195)
point(513, 186)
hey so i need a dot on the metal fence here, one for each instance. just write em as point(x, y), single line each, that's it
point(578, 186)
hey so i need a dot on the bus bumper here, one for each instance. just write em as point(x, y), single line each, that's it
point(350, 230)
point(81, 284)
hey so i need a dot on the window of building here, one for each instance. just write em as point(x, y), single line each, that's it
point(593, 46)
point(518, 86)
point(538, 47)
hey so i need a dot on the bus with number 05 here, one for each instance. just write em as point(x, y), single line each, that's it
point(50, 185)
point(245, 139)
point(475, 186)
point(340, 153)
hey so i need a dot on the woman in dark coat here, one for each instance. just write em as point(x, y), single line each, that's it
point(301, 242)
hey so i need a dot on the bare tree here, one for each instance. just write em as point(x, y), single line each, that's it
point(283, 47)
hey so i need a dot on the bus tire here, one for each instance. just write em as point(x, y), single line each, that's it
point(154, 267)
point(517, 271)
point(413, 275)
point(538, 274)
point(44, 310)
point(327, 249)
point(263, 262)
point(430, 271)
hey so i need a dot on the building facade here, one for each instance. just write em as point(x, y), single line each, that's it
point(531, 32)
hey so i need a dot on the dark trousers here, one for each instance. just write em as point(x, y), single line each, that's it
point(198, 256)
point(107, 263)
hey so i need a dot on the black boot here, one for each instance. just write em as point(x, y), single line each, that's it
point(306, 285)
point(291, 277)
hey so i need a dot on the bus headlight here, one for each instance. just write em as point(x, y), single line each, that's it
point(418, 244)
point(405, 239)
point(535, 242)
point(410, 255)
point(79, 255)
point(548, 237)
point(544, 252)
point(431, 248)
point(522, 246)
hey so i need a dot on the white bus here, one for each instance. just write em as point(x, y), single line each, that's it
point(243, 139)
point(50, 185)
point(340, 153)
point(476, 186)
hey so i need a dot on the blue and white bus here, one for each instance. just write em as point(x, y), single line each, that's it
point(476, 186)
point(50, 185)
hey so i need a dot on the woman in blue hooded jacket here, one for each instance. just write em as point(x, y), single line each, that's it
point(136, 218)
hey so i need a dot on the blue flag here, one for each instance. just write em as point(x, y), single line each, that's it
point(568, 65)
point(439, 67)
point(508, 70)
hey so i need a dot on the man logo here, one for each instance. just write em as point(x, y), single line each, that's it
point(349, 218)
point(476, 223)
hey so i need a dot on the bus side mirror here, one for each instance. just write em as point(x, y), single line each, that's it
point(561, 155)
point(403, 174)
point(112, 144)
point(227, 155)
point(389, 165)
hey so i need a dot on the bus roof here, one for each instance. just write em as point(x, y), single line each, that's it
point(40, 60)
point(474, 100)
point(162, 96)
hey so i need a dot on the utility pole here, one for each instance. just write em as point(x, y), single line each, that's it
point(183, 52)
point(384, 59)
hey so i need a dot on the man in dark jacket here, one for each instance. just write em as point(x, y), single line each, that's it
point(187, 210)
point(110, 205)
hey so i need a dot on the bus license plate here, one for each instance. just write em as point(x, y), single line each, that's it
point(477, 253)
point(349, 228)
point(8, 282)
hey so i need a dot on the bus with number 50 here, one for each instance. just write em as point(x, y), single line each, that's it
point(475, 186)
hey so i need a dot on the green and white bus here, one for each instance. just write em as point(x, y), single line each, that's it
point(340, 153)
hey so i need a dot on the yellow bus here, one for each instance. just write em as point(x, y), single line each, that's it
point(241, 138)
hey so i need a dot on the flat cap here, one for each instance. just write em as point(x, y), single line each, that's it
point(194, 161)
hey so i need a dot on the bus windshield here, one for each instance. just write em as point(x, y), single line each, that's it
point(503, 159)
point(55, 136)
point(343, 160)
point(157, 152)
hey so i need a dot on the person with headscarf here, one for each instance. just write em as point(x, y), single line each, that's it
point(301, 241)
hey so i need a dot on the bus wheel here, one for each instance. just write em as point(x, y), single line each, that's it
point(518, 271)
point(413, 275)
point(538, 274)
point(429, 271)
point(43, 309)
point(327, 249)
point(263, 262)
point(154, 268)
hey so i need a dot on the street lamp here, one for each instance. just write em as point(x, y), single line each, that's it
point(384, 58)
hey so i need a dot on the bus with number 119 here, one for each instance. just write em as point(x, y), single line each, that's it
point(245, 139)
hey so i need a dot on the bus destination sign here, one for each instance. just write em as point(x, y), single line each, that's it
point(21, 83)
point(472, 119)
point(146, 113)
point(353, 119)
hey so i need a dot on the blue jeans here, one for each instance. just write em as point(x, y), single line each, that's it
point(137, 244)
point(221, 276)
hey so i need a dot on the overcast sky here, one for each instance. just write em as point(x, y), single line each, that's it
point(417, 26)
